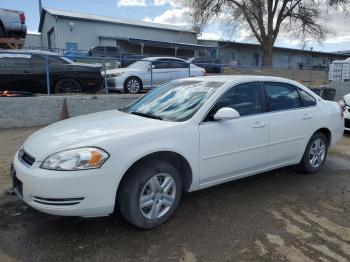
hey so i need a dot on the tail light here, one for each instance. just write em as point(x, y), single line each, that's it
point(22, 16)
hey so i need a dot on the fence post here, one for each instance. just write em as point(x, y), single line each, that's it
point(189, 69)
point(151, 75)
point(105, 76)
point(310, 76)
point(47, 75)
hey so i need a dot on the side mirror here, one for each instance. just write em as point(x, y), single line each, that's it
point(151, 66)
point(226, 113)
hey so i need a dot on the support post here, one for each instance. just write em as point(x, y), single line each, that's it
point(47, 75)
point(105, 76)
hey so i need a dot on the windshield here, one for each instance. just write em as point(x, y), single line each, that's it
point(175, 101)
point(139, 64)
point(67, 59)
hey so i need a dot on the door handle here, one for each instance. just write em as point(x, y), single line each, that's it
point(307, 116)
point(259, 124)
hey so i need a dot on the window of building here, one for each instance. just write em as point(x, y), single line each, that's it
point(71, 46)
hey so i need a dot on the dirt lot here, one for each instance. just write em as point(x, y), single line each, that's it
point(277, 216)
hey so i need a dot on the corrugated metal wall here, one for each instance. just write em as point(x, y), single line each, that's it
point(87, 33)
point(32, 40)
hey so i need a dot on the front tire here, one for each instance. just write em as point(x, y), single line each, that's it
point(67, 85)
point(150, 193)
point(132, 85)
point(315, 154)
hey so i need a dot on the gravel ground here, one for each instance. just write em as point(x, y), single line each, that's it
point(276, 216)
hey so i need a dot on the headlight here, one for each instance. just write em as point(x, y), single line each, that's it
point(76, 159)
point(116, 75)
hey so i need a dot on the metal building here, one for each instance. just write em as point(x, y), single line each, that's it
point(247, 54)
point(69, 30)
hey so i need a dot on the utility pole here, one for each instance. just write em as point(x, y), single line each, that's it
point(40, 8)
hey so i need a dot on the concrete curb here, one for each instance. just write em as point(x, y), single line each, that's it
point(44, 110)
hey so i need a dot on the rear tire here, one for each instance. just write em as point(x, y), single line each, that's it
point(67, 85)
point(315, 154)
point(150, 193)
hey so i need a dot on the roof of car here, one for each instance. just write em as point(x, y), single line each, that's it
point(243, 78)
point(153, 58)
point(29, 52)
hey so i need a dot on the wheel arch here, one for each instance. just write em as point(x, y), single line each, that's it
point(180, 162)
point(326, 132)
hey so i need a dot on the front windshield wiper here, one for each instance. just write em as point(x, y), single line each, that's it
point(146, 115)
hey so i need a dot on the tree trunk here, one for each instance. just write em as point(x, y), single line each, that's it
point(267, 51)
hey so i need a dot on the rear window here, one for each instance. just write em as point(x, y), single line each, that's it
point(14, 62)
point(281, 96)
point(308, 100)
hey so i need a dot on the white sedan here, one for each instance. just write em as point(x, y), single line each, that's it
point(149, 73)
point(345, 102)
point(186, 135)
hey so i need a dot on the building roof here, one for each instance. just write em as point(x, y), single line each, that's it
point(108, 19)
point(223, 42)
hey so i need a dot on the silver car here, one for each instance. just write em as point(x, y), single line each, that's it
point(12, 23)
point(150, 72)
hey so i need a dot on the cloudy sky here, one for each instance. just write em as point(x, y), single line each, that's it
point(172, 12)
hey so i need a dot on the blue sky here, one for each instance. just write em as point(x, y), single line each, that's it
point(171, 12)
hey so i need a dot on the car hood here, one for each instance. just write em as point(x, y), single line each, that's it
point(89, 130)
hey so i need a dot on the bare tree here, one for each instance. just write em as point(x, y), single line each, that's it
point(264, 18)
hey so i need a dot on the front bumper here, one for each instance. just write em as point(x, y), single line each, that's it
point(86, 193)
point(115, 84)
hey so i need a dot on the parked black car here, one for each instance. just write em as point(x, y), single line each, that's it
point(26, 71)
point(212, 65)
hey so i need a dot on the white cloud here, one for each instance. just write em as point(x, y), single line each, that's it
point(209, 36)
point(176, 16)
point(173, 3)
point(131, 2)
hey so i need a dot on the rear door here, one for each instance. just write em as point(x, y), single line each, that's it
point(179, 69)
point(289, 122)
point(15, 72)
point(160, 72)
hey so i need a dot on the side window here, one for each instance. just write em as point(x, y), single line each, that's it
point(281, 96)
point(173, 63)
point(160, 64)
point(38, 60)
point(308, 100)
point(56, 60)
point(245, 98)
point(14, 62)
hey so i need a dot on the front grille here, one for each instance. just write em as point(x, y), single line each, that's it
point(110, 82)
point(25, 157)
point(58, 201)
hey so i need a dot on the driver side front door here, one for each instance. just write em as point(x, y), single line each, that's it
point(237, 147)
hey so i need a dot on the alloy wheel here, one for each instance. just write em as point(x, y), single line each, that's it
point(133, 86)
point(67, 86)
point(317, 153)
point(157, 196)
